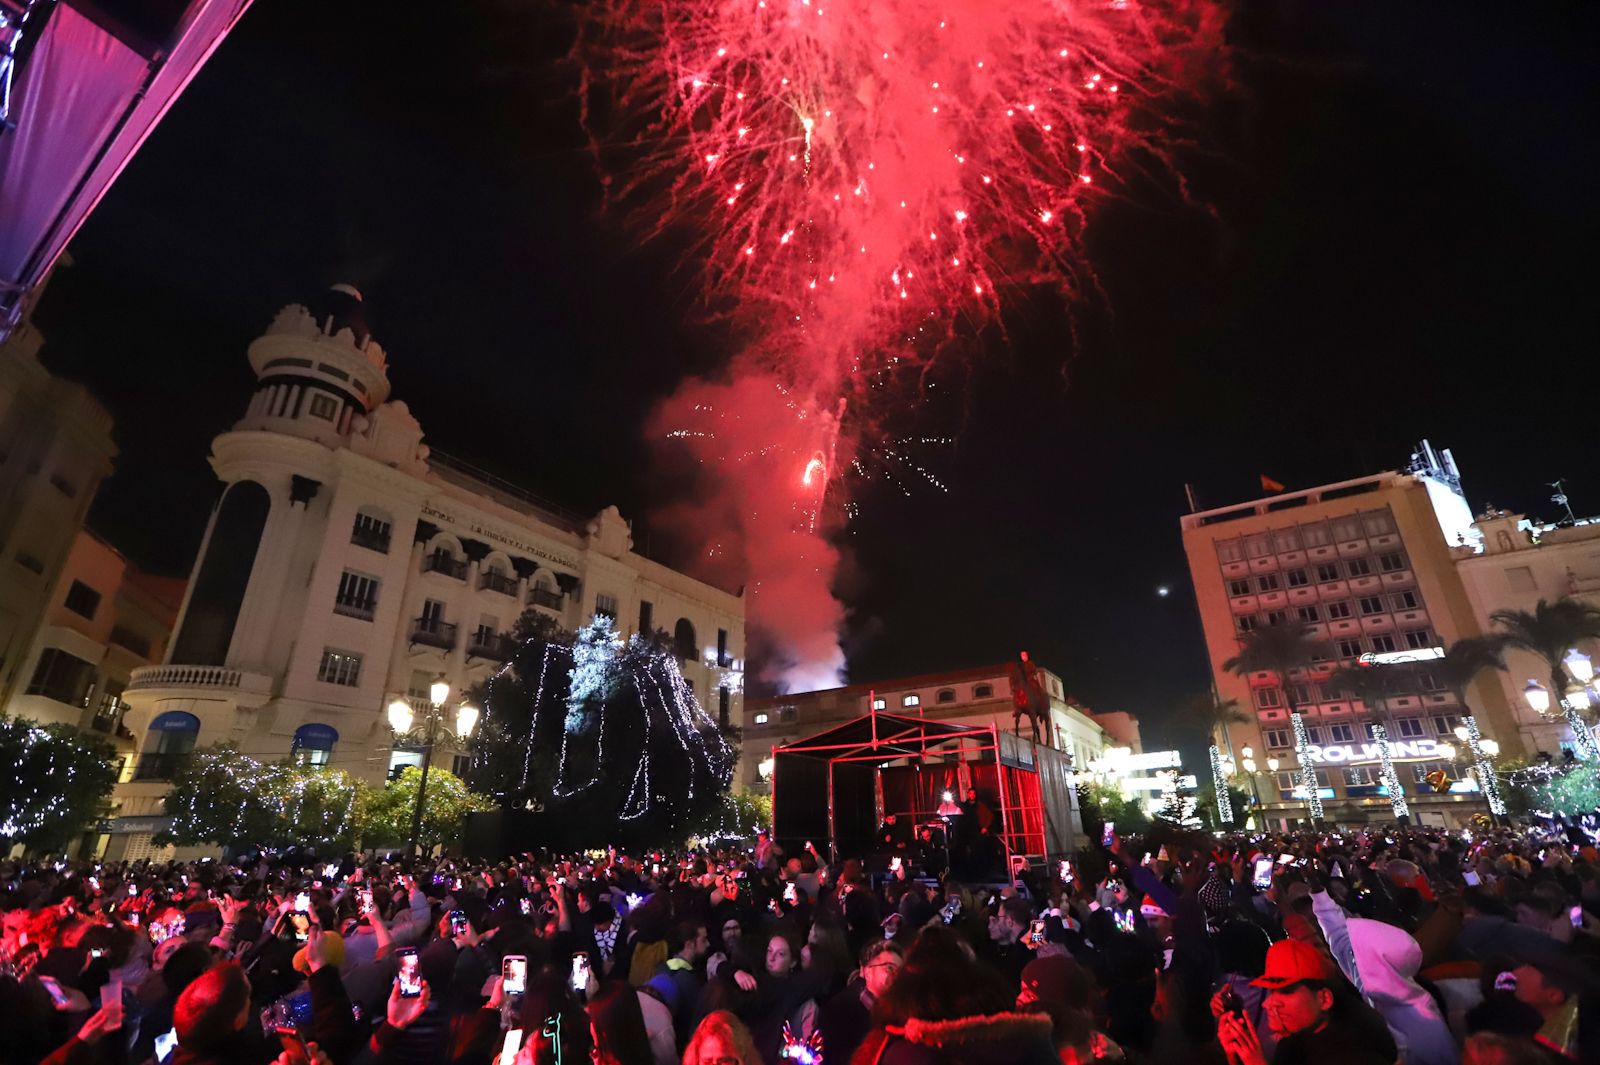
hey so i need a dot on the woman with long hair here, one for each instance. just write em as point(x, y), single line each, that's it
point(616, 1026)
point(721, 1039)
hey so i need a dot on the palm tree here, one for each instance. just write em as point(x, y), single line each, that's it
point(1373, 685)
point(1461, 664)
point(1210, 712)
point(1549, 631)
point(1282, 649)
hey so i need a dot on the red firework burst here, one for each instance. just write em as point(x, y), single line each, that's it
point(851, 168)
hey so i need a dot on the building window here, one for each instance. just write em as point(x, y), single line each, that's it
point(1246, 623)
point(1314, 535)
point(1377, 523)
point(324, 407)
point(1286, 780)
point(1426, 681)
point(1275, 617)
point(1409, 727)
point(1339, 610)
point(1420, 771)
point(1229, 551)
point(461, 765)
point(1360, 776)
point(1416, 639)
point(313, 744)
point(1405, 601)
point(63, 677)
point(683, 641)
point(1314, 735)
point(1445, 724)
point(606, 606)
point(1276, 737)
point(724, 707)
point(1286, 540)
point(761, 719)
point(1267, 582)
point(340, 667)
point(403, 757)
point(1309, 614)
point(1298, 578)
point(724, 659)
point(1257, 546)
point(911, 700)
point(879, 704)
point(1327, 572)
point(371, 532)
point(357, 596)
point(1372, 604)
point(167, 744)
point(982, 691)
point(82, 600)
point(1269, 697)
point(1342, 733)
point(647, 611)
point(1358, 567)
point(1349, 648)
point(947, 695)
point(1383, 643)
point(1347, 529)
point(1391, 562)
point(1304, 694)
point(1238, 587)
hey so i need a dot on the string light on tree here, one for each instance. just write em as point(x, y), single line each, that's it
point(1219, 780)
point(1308, 768)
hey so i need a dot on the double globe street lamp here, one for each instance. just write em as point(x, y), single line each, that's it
point(1572, 702)
point(425, 733)
point(1247, 762)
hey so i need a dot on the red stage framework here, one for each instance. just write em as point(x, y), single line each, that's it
point(839, 784)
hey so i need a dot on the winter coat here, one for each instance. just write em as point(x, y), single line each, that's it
point(995, 1039)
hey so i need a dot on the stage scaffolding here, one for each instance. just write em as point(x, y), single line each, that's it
point(836, 786)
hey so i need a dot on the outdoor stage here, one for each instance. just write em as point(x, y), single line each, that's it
point(836, 787)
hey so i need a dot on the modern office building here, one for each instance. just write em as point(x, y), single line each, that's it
point(55, 449)
point(980, 695)
point(1368, 566)
point(346, 565)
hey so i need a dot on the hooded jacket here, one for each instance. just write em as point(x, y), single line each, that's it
point(1389, 960)
point(995, 1039)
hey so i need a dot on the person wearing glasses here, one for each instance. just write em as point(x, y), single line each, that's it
point(847, 1018)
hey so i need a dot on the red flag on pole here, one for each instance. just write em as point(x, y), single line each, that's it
point(1269, 485)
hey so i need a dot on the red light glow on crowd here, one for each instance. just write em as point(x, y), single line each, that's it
point(858, 180)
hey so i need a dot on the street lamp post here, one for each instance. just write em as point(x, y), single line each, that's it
point(402, 720)
point(1247, 762)
point(1572, 703)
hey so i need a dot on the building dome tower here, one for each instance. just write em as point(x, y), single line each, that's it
point(317, 370)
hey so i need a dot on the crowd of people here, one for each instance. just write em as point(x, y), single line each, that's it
point(1352, 947)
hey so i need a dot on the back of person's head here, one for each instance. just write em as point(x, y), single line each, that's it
point(185, 966)
point(212, 1008)
point(721, 1035)
point(602, 913)
point(549, 1007)
point(1241, 947)
point(682, 934)
point(941, 981)
point(618, 1023)
point(1492, 1048)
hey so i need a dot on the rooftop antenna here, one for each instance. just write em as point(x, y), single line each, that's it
point(1560, 498)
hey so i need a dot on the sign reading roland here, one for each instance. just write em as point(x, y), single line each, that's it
point(1414, 654)
point(1351, 754)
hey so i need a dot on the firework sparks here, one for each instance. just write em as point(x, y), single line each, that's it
point(852, 173)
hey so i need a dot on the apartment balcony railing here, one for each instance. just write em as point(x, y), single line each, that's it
point(546, 598)
point(195, 677)
point(498, 582)
point(445, 564)
point(350, 607)
point(159, 766)
point(434, 633)
point(486, 643)
point(371, 539)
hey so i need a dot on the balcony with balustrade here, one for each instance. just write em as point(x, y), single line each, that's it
point(431, 632)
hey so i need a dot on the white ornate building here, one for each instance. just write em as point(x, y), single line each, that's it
point(345, 565)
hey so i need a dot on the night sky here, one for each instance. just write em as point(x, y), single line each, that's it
point(1393, 240)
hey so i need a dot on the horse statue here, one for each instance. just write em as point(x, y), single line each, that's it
point(1027, 696)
